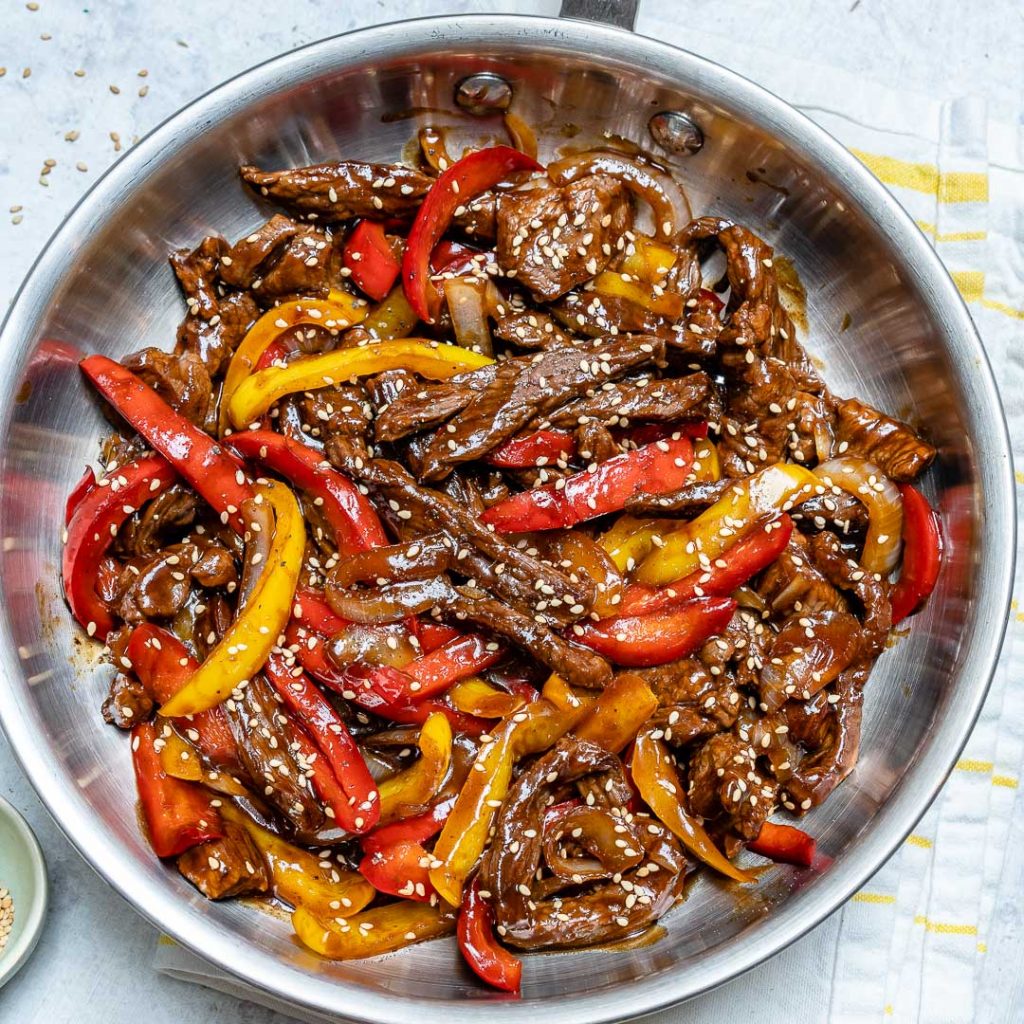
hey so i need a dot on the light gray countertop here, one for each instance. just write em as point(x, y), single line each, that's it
point(142, 60)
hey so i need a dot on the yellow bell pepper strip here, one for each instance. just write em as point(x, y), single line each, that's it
point(658, 782)
point(631, 540)
point(462, 840)
point(460, 183)
point(393, 318)
point(418, 784)
point(258, 392)
point(341, 310)
point(178, 757)
point(297, 877)
point(475, 697)
point(649, 260)
point(667, 304)
point(373, 932)
point(244, 648)
point(707, 467)
point(777, 488)
point(617, 715)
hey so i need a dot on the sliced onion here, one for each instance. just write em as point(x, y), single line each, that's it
point(656, 187)
point(522, 135)
point(467, 306)
point(361, 644)
point(390, 603)
point(433, 149)
point(258, 538)
point(417, 559)
point(866, 482)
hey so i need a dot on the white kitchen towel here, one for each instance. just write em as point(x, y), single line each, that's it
point(913, 945)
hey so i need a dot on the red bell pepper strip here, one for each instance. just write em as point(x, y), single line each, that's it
point(490, 960)
point(640, 641)
point(313, 611)
point(417, 829)
point(525, 451)
point(417, 714)
point(270, 355)
point(215, 473)
point(178, 814)
point(369, 257)
point(356, 524)
point(654, 469)
point(648, 432)
point(94, 525)
point(462, 182)
point(711, 299)
point(78, 493)
point(784, 843)
point(459, 259)
point(460, 657)
point(331, 735)
point(744, 560)
point(163, 665)
point(401, 869)
point(434, 634)
point(922, 554)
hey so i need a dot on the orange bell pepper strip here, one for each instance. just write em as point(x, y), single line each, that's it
point(258, 392)
point(614, 719)
point(696, 544)
point(462, 840)
point(418, 784)
point(247, 643)
point(338, 312)
point(373, 932)
point(297, 877)
point(179, 815)
point(658, 782)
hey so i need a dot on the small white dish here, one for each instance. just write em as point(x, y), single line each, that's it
point(23, 873)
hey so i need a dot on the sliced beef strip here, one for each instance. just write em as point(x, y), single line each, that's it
point(196, 270)
point(127, 703)
point(263, 734)
point(794, 584)
point(689, 683)
point(724, 781)
point(419, 407)
point(146, 532)
point(872, 594)
point(226, 867)
point(532, 586)
point(531, 910)
point(891, 445)
point(214, 340)
point(181, 380)
point(553, 238)
point(307, 266)
point(839, 511)
point(688, 501)
point(576, 665)
point(594, 443)
point(240, 265)
point(830, 734)
point(618, 403)
point(342, 409)
point(337, 191)
point(526, 388)
point(595, 315)
point(479, 217)
point(159, 586)
point(528, 328)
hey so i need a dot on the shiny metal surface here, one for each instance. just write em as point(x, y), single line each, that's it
point(483, 93)
point(676, 132)
point(883, 316)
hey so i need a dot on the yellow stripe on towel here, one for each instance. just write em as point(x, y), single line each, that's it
point(873, 897)
point(945, 928)
point(971, 284)
point(1002, 307)
point(948, 186)
point(967, 765)
point(922, 841)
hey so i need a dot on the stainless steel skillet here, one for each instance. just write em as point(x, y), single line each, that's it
point(103, 284)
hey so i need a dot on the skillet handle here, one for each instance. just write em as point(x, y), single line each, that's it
point(621, 13)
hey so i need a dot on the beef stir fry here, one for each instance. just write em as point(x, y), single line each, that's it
point(478, 563)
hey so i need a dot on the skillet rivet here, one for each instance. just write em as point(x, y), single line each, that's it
point(483, 93)
point(677, 132)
